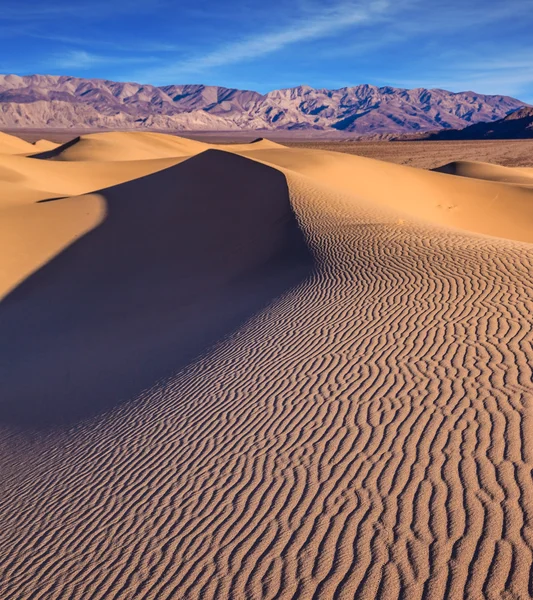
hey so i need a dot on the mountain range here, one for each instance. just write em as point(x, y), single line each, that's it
point(48, 101)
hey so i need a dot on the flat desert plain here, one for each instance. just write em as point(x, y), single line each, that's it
point(251, 371)
point(428, 154)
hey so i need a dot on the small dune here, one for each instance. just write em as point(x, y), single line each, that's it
point(10, 144)
point(123, 146)
point(44, 145)
point(488, 172)
point(260, 372)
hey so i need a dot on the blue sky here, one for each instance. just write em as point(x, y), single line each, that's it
point(480, 45)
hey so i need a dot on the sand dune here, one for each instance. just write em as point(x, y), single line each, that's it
point(72, 178)
point(44, 145)
point(10, 144)
point(121, 146)
point(299, 379)
point(488, 172)
point(480, 206)
point(152, 274)
point(48, 228)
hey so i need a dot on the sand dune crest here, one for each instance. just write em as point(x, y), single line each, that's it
point(152, 259)
point(121, 146)
point(10, 144)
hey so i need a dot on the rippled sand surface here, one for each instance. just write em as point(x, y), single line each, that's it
point(253, 371)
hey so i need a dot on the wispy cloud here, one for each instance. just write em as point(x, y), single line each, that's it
point(420, 19)
point(489, 69)
point(78, 59)
point(81, 60)
point(521, 60)
point(329, 21)
point(109, 44)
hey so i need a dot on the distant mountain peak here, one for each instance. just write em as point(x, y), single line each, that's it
point(38, 101)
point(521, 113)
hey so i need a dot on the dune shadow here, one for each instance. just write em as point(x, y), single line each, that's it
point(183, 258)
point(48, 154)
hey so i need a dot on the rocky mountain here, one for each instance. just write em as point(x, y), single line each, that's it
point(38, 101)
point(517, 125)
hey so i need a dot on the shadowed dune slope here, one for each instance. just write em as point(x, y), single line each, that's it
point(267, 424)
point(176, 262)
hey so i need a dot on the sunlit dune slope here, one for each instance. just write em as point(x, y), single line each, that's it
point(489, 172)
point(44, 146)
point(11, 144)
point(124, 146)
point(481, 206)
point(33, 233)
point(73, 178)
point(82, 166)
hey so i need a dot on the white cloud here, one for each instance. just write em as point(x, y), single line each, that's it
point(78, 59)
point(107, 43)
point(484, 69)
point(81, 59)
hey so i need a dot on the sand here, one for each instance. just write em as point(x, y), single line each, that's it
point(122, 146)
point(11, 144)
point(261, 372)
point(488, 172)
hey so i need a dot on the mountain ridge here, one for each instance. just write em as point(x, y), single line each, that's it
point(40, 101)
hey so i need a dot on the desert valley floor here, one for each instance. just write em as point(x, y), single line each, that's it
point(261, 372)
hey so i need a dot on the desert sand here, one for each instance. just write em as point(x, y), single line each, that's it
point(254, 371)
